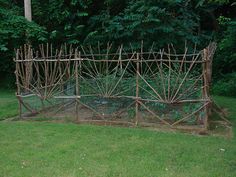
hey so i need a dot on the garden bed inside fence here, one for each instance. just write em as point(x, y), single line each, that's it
point(127, 88)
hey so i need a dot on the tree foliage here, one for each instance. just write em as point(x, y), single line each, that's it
point(124, 21)
point(64, 20)
point(225, 60)
point(152, 21)
point(15, 30)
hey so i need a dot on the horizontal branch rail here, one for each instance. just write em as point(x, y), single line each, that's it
point(112, 86)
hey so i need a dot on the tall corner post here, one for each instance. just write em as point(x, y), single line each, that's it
point(137, 90)
point(206, 97)
point(18, 84)
point(77, 56)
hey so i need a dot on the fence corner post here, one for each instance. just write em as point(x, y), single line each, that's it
point(137, 92)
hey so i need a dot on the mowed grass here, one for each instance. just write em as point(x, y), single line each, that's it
point(67, 150)
point(8, 104)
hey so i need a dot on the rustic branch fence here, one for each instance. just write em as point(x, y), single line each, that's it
point(146, 88)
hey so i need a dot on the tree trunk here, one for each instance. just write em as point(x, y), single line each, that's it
point(28, 14)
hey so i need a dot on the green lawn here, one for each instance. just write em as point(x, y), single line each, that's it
point(68, 150)
point(8, 104)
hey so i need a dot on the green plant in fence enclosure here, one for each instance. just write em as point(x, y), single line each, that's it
point(111, 84)
point(169, 85)
point(131, 113)
point(176, 115)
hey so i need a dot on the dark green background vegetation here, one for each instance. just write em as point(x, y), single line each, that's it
point(125, 21)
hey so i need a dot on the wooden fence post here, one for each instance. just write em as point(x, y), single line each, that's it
point(206, 68)
point(77, 84)
point(18, 84)
point(208, 53)
point(137, 92)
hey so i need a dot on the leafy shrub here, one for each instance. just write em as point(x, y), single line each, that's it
point(15, 30)
point(226, 86)
point(163, 22)
point(225, 60)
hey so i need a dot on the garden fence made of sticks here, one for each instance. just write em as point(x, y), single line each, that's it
point(115, 86)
